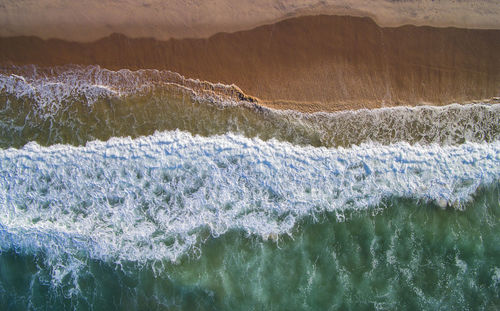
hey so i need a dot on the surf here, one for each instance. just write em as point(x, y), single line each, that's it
point(154, 198)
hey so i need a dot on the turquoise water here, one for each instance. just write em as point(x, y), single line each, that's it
point(244, 208)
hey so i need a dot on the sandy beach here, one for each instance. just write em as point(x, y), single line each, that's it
point(94, 19)
point(249, 155)
point(310, 63)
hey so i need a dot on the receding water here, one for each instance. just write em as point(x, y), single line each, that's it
point(216, 203)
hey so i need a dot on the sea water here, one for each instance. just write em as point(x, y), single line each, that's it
point(147, 191)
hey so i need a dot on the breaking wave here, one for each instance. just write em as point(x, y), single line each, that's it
point(156, 198)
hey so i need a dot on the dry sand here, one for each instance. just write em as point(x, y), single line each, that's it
point(93, 19)
point(308, 63)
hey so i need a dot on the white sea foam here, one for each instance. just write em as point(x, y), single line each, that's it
point(49, 95)
point(152, 198)
point(51, 89)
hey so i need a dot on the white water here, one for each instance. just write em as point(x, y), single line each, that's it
point(52, 89)
point(151, 198)
point(50, 94)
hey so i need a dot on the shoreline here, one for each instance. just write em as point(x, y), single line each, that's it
point(126, 82)
point(319, 63)
point(313, 108)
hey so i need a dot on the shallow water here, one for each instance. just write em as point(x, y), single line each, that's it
point(214, 202)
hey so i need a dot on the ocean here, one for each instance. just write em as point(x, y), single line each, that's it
point(144, 190)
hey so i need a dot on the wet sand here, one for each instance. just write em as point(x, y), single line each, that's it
point(309, 63)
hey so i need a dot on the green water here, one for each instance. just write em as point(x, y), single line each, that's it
point(402, 255)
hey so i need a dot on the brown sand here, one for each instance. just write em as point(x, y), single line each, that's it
point(308, 63)
point(94, 19)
